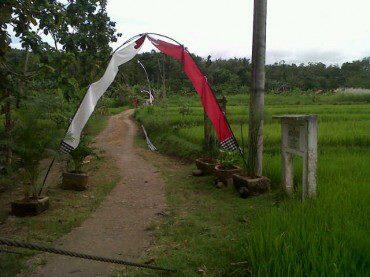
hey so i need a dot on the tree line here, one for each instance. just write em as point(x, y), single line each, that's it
point(231, 76)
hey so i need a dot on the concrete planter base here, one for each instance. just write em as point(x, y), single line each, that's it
point(205, 166)
point(247, 186)
point(225, 175)
point(74, 181)
point(31, 207)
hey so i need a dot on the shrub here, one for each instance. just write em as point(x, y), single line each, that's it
point(33, 135)
point(228, 159)
point(80, 153)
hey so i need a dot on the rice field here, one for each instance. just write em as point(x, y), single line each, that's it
point(326, 236)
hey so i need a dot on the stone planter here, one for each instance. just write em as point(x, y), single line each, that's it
point(32, 207)
point(225, 175)
point(205, 166)
point(247, 186)
point(74, 181)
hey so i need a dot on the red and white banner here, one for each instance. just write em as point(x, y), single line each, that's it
point(96, 91)
point(207, 96)
point(178, 52)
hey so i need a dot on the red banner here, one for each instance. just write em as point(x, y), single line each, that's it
point(207, 96)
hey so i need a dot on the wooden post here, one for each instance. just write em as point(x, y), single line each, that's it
point(209, 137)
point(22, 81)
point(8, 125)
point(256, 104)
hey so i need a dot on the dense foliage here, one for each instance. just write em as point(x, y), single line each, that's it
point(79, 154)
point(34, 134)
point(41, 84)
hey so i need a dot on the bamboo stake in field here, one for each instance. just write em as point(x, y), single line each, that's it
point(256, 104)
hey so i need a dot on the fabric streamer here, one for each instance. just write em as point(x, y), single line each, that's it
point(95, 92)
point(208, 98)
point(148, 141)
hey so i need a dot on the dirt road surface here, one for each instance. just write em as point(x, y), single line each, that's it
point(118, 228)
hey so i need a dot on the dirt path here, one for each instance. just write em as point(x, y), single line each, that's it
point(118, 227)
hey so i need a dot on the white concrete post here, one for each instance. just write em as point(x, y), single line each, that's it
point(287, 161)
point(312, 155)
point(299, 137)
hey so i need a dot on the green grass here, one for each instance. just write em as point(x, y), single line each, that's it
point(68, 208)
point(96, 124)
point(217, 233)
point(117, 110)
point(99, 121)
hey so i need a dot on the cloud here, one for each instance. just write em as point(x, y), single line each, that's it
point(330, 31)
point(325, 56)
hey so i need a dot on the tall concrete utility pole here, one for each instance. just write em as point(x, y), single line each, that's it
point(257, 102)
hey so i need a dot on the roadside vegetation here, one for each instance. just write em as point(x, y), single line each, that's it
point(68, 208)
point(212, 231)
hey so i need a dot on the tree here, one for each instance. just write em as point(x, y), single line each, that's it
point(35, 132)
point(357, 73)
point(18, 15)
point(86, 31)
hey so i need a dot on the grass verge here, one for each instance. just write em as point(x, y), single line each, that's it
point(214, 232)
point(68, 208)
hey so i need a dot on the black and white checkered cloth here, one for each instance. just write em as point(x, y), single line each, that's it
point(65, 147)
point(229, 144)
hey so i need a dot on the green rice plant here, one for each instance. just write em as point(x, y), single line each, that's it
point(283, 237)
point(325, 236)
point(169, 146)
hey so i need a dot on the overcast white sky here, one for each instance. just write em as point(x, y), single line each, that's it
point(330, 31)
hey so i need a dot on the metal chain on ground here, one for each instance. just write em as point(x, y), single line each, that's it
point(34, 246)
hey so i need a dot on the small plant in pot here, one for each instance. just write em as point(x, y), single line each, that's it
point(226, 168)
point(75, 178)
point(32, 136)
point(205, 166)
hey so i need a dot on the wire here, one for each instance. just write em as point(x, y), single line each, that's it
point(143, 34)
point(156, 34)
point(127, 41)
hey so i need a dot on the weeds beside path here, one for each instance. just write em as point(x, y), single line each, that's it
point(203, 228)
point(68, 208)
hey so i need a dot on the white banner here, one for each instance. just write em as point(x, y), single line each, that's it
point(96, 91)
